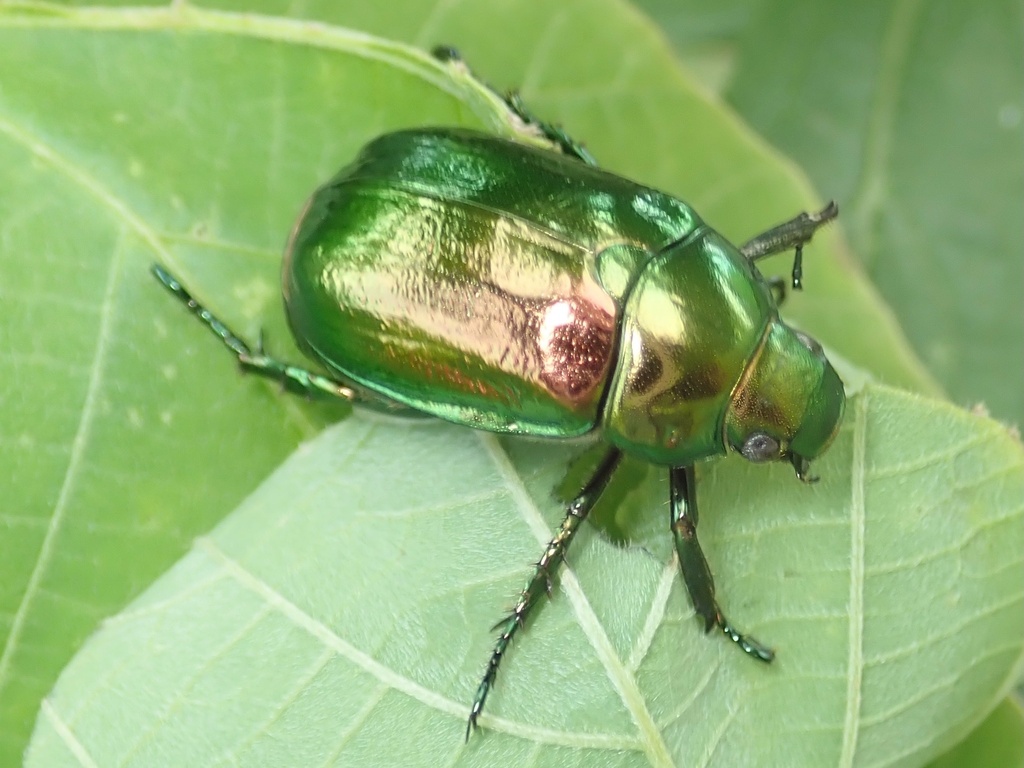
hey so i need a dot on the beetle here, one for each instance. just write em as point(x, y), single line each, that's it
point(523, 290)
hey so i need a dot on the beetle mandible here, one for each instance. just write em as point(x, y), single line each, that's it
point(524, 290)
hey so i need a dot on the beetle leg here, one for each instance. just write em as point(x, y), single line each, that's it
point(290, 376)
point(795, 234)
point(539, 583)
point(553, 133)
point(778, 288)
point(696, 573)
point(512, 99)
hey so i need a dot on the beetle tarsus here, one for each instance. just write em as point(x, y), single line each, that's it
point(553, 133)
point(793, 234)
point(474, 714)
point(290, 377)
point(694, 566)
point(447, 54)
point(540, 582)
point(803, 468)
point(798, 268)
point(749, 645)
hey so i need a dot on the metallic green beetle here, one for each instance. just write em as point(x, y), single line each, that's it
point(523, 290)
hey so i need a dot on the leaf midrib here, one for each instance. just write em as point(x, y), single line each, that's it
point(182, 16)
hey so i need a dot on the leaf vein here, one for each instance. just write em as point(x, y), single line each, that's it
point(63, 730)
point(357, 721)
point(923, 642)
point(290, 698)
point(655, 616)
point(190, 682)
point(946, 683)
point(75, 459)
point(855, 659)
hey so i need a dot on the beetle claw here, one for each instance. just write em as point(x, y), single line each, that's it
point(803, 468)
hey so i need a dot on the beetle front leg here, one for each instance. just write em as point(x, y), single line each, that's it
point(552, 133)
point(694, 566)
point(778, 289)
point(793, 234)
point(540, 583)
point(290, 376)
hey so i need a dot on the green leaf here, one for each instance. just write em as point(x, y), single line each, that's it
point(705, 33)
point(126, 432)
point(193, 138)
point(340, 615)
point(998, 742)
point(912, 115)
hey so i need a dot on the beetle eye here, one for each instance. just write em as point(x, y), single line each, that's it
point(810, 343)
point(760, 447)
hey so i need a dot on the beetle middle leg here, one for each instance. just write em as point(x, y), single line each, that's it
point(540, 583)
point(795, 234)
point(514, 101)
point(290, 376)
point(694, 566)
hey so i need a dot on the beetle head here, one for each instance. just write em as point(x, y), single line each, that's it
point(788, 404)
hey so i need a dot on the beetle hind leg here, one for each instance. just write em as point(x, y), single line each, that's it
point(553, 133)
point(540, 583)
point(514, 102)
point(694, 566)
point(254, 360)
